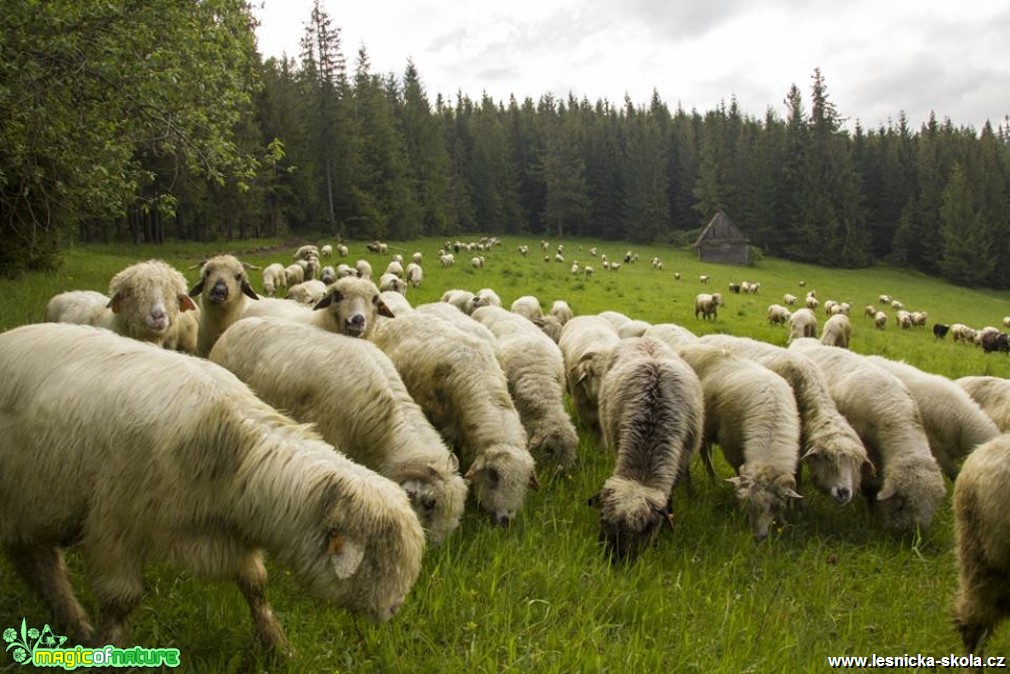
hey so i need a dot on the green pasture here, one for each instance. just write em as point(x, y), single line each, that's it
point(540, 596)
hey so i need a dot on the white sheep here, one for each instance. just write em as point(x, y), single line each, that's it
point(981, 522)
point(778, 315)
point(561, 311)
point(294, 274)
point(454, 315)
point(707, 305)
point(344, 269)
point(274, 279)
point(907, 486)
point(1006, 321)
point(396, 303)
point(308, 292)
point(802, 323)
point(477, 262)
point(447, 259)
point(652, 415)
point(392, 282)
point(146, 303)
point(880, 320)
point(550, 326)
point(751, 413)
point(306, 251)
point(588, 271)
point(206, 475)
point(456, 379)
point(351, 391)
point(837, 331)
point(364, 269)
point(486, 297)
point(788, 299)
point(703, 278)
point(633, 328)
point(461, 299)
point(416, 257)
point(328, 274)
point(535, 370)
point(326, 251)
point(992, 394)
point(586, 343)
point(395, 268)
point(672, 334)
point(903, 319)
point(82, 307)
point(342, 250)
point(528, 306)
point(224, 291)
point(414, 275)
point(830, 447)
point(954, 423)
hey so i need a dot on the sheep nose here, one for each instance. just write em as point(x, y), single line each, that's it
point(158, 315)
point(357, 320)
point(842, 495)
point(501, 520)
point(219, 292)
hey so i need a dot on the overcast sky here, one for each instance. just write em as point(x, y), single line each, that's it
point(878, 57)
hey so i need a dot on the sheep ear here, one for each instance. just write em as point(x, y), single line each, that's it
point(197, 289)
point(345, 555)
point(384, 310)
point(534, 482)
point(327, 300)
point(471, 474)
point(198, 264)
point(185, 303)
point(595, 501)
point(115, 303)
point(453, 463)
point(248, 291)
point(886, 493)
point(535, 442)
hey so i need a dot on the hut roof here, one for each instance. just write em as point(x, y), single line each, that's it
point(720, 228)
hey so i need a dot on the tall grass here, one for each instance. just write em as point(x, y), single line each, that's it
point(540, 596)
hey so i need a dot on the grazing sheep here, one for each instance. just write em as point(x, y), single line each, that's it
point(446, 260)
point(376, 247)
point(896, 305)
point(392, 282)
point(672, 334)
point(703, 278)
point(586, 343)
point(615, 266)
point(461, 299)
point(615, 318)
point(395, 268)
point(652, 415)
point(707, 305)
point(993, 395)
point(342, 250)
point(884, 299)
point(558, 257)
point(778, 315)
point(456, 379)
point(477, 262)
point(903, 319)
point(830, 447)
point(788, 299)
point(812, 302)
point(907, 486)
point(981, 523)
point(919, 318)
point(206, 475)
point(486, 297)
point(223, 290)
point(940, 330)
point(274, 279)
point(633, 328)
point(308, 293)
point(959, 332)
point(345, 270)
point(535, 370)
point(326, 251)
point(561, 311)
point(802, 323)
point(837, 331)
point(528, 306)
point(364, 269)
point(751, 412)
point(1006, 321)
point(995, 341)
point(396, 303)
point(954, 423)
point(350, 390)
point(294, 274)
point(414, 275)
point(82, 307)
point(588, 271)
point(550, 326)
point(147, 300)
point(869, 311)
point(880, 320)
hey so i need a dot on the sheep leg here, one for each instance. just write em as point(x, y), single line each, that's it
point(252, 581)
point(118, 586)
point(46, 571)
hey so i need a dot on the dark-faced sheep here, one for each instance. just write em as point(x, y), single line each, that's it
point(223, 288)
point(164, 457)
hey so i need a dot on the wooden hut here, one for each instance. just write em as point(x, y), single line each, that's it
point(722, 242)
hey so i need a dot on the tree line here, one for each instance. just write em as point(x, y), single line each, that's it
point(141, 120)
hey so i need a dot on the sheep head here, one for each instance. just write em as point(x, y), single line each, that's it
point(764, 496)
point(631, 515)
point(147, 298)
point(222, 278)
point(352, 305)
point(500, 477)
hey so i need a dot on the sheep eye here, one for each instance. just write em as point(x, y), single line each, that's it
point(428, 504)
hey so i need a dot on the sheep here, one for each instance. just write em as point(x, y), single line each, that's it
point(528, 306)
point(206, 475)
point(615, 266)
point(703, 278)
point(82, 307)
point(707, 305)
point(450, 313)
point(830, 447)
point(869, 311)
point(224, 291)
point(829, 306)
point(326, 251)
point(940, 330)
point(376, 247)
point(919, 318)
point(558, 257)
point(477, 262)
point(586, 343)
point(778, 315)
point(880, 320)
point(396, 303)
point(446, 260)
point(734, 288)
point(461, 299)
point(146, 301)
point(308, 292)
point(993, 395)
point(523, 250)
point(954, 423)
point(633, 328)
point(414, 275)
point(345, 270)
point(398, 259)
point(274, 279)
point(981, 522)
point(486, 297)
point(788, 299)
point(294, 274)
point(550, 326)
point(837, 331)
point(670, 333)
point(995, 341)
point(342, 250)
point(364, 269)
point(652, 416)
point(896, 305)
point(587, 270)
point(392, 282)
point(676, 275)
point(751, 412)
point(305, 252)
point(884, 299)
point(812, 302)
point(351, 391)
point(907, 486)
point(561, 311)
point(395, 268)
point(456, 379)
point(903, 319)
point(535, 370)
point(1006, 321)
point(959, 332)
point(615, 318)
point(802, 323)
point(328, 274)
point(575, 268)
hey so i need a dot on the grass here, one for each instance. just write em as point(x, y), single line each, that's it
point(540, 596)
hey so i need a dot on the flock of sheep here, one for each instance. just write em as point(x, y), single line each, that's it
point(394, 413)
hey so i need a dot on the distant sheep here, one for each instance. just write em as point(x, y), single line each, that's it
point(392, 282)
point(294, 274)
point(206, 475)
point(535, 370)
point(364, 269)
point(414, 275)
point(993, 395)
point(528, 306)
point(586, 343)
point(703, 278)
point(880, 320)
point(652, 415)
point(328, 274)
point(461, 299)
point(308, 293)
point(802, 323)
point(837, 331)
point(342, 250)
point(940, 330)
point(458, 382)
point(447, 259)
point(486, 297)
point(306, 252)
point(561, 311)
point(671, 334)
point(788, 299)
point(707, 305)
point(274, 279)
point(981, 522)
point(778, 315)
point(907, 487)
point(326, 251)
point(351, 391)
point(831, 449)
point(751, 413)
point(954, 423)
point(395, 268)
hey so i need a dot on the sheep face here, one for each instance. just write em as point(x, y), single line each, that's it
point(839, 476)
point(913, 504)
point(764, 497)
point(631, 516)
point(499, 478)
point(438, 502)
point(147, 299)
point(353, 305)
point(222, 279)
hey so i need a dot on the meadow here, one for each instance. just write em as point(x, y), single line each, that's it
point(540, 596)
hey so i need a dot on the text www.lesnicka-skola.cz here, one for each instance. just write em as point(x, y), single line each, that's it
point(917, 660)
